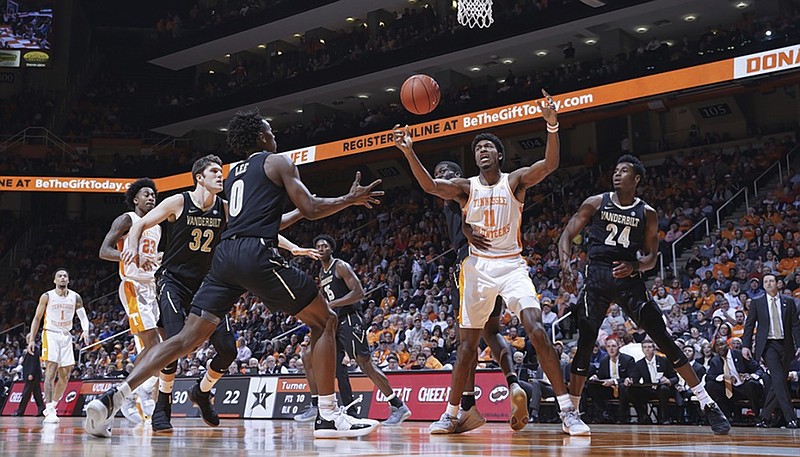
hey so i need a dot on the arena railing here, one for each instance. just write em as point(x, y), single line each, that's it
point(680, 238)
point(766, 172)
point(735, 196)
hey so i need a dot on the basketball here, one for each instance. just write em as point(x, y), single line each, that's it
point(420, 94)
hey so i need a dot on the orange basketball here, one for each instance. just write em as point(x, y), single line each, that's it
point(420, 94)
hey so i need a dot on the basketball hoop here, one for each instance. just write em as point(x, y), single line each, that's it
point(475, 13)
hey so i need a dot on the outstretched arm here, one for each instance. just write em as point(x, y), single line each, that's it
point(574, 226)
point(527, 177)
point(120, 226)
point(83, 318)
point(296, 250)
point(170, 208)
point(447, 189)
point(280, 169)
point(290, 218)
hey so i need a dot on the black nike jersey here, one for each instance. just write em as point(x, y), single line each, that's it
point(255, 203)
point(616, 232)
point(190, 241)
point(334, 287)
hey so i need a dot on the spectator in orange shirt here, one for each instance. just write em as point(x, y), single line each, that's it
point(389, 300)
point(706, 299)
point(738, 329)
point(729, 232)
point(514, 339)
point(724, 265)
point(751, 218)
point(788, 263)
point(374, 335)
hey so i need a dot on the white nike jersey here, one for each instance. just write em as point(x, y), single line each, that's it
point(494, 212)
point(60, 311)
point(148, 249)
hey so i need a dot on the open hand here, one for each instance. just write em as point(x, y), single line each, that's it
point(548, 107)
point(129, 255)
point(307, 252)
point(623, 269)
point(402, 138)
point(364, 195)
point(568, 279)
point(476, 239)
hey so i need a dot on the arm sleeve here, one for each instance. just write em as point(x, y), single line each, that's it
point(83, 318)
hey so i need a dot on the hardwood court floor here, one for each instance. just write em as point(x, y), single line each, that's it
point(24, 437)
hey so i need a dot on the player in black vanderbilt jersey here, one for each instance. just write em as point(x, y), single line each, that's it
point(469, 417)
point(247, 259)
point(622, 225)
point(343, 291)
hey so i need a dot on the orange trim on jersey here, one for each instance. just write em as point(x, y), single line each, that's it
point(507, 256)
point(44, 346)
point(519, 230)
point(461, 292)
point(133, 308)
point(120, 246)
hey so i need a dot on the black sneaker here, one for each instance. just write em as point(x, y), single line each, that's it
point(719, 423)
point(162, 414)
point(203, 401)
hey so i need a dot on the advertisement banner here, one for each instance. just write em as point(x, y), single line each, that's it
point(766, 62)
point(426, 394)
point(292, 396)
point(65, 407)
point(181, 405)
point(9, 58)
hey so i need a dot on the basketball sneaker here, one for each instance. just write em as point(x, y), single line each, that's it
point(162, 414)
point(130, 410)
point(519, 408)
point(100, 413)
point(469, 420)
point(446, 425)
point(309, 415)
point(719, 423)
point(572, 424)
point(343, 426)
point(50, 416)
point(397, 415)
point(203, 401)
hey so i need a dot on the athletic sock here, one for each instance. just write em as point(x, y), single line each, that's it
point(576, 401)
point(702, 396)
point(209, 379)
point(394, 401)
point(315, 401)
point(166, 383)
point(452, 410)
point(327, 406)
point(565, 403)
point(511, 378)
point(467, 400)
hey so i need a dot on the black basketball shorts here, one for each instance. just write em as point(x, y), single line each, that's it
point(244, 264)
point(352, 336)
point(175, 302)
point(601, 288)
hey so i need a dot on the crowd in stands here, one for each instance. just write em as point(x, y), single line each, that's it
point(402, 256)
point(25, 109)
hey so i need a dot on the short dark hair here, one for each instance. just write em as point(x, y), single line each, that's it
point(494, 139)
point(326, 238)
point(452, 166)
point(200, 165)
point(243, 130)
point(638, 167)
point(60, 269)
point(134, 189)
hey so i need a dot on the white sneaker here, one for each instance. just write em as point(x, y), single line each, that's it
point(446, 425)
point(519, 408)
point(343, 426)
point(50, 416)
point(100, 414)
point(572, 424)
point(131, 410)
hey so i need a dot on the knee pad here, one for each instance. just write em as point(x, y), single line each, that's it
point(226, 354)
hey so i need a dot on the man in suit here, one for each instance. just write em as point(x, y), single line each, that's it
point(691, 411)
point(777, 341)
point(607, 381)
point(731, 377)
point(32, 375)
point(653, 377)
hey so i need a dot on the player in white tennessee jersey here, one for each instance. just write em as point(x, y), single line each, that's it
point(57, 308)
point(492, 204)
point(137, 290)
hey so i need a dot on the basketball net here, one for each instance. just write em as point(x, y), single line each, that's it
point(475, 13)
